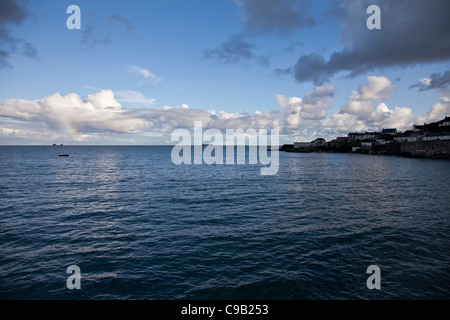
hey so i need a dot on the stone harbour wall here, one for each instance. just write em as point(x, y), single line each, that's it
point(426, 149)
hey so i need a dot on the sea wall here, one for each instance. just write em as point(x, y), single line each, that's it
point(422, 149)
point(426, 149)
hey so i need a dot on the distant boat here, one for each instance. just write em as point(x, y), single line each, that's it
point(63, 155)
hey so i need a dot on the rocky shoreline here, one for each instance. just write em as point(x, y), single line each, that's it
point(420, 149)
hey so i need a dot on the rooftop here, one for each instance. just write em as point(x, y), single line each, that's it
point(389, 130)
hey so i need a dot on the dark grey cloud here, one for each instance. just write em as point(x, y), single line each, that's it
point(13, 12)
point(279, 16)
point(263, 61)
point(261, 17)
point(319, 94)
point(312, 67)
point(116, 20)
point(93, 34)
point(285, 73)
point(292, 46)
point(4, 55)
point(234, 50)
point(412, 32)
point(435, 81)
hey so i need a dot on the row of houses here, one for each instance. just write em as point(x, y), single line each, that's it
point(434, 131)
point(359, 136)
point(442, 126)
point(425, 136)
point(366, 139)
point(439, 130)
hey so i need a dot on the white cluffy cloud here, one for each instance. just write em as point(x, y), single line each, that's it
point(360, 101)
point(101, 116)
point(100, 112)
point(300, 113)
point(437, 111)
point(360, 113)
point(133, 97)
point(144, 73)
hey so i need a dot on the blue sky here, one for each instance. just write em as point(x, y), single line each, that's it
point(161, 65)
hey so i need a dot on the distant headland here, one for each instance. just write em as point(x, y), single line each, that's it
point(430, 140)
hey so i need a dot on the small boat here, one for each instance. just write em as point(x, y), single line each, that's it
point(63, 155)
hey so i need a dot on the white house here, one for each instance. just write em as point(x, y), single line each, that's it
point(366, 144)
point(445, 123)
point(436, 136)
point(412, 138)
point(355, 136)
point(320, 142)
point(382, 142)
point(400, 138)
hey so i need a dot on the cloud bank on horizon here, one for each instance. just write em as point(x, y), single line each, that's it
point(71, 117)
point(414, 32)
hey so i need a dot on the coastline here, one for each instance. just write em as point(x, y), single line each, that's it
point(419, 149)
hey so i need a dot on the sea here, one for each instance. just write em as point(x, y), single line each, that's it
point(140, 227)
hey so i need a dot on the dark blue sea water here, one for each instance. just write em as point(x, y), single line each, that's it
point(140, 227)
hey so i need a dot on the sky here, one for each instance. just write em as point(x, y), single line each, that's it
point(138, 70)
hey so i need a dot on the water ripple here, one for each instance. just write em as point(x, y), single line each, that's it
point(140, 227)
